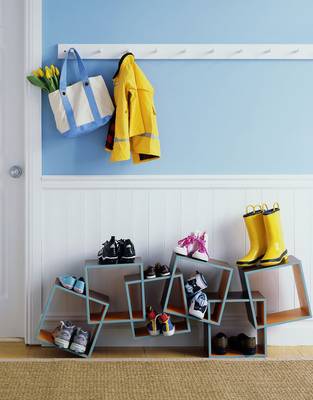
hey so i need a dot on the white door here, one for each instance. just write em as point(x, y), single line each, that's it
point(12, 238)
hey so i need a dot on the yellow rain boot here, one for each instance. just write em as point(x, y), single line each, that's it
point(257, 236)
point(276, 250)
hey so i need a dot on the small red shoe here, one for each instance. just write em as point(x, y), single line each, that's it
point(154, 327)
point(151, 314)
point(168, 329)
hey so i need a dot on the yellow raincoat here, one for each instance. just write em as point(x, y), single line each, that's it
point(136, 128)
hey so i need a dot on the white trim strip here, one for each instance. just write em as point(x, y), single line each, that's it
point(192, 51)
point(176, 181)
point(33, 202)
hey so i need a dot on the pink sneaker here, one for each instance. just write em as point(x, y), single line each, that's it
point(201, 252)
point(186, 246)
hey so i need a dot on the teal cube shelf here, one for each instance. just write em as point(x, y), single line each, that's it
point(139, 330)
point(45, 336)
point(112, 317)
point(279, 317)
point(259, 304)
point(226, 272)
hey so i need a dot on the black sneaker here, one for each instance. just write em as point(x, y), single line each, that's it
point(244, 344)
point(162, 270)
point(127, 252)
point(150, 273)
point(220, 343)
point(109, 252)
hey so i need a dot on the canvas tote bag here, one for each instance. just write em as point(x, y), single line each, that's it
point(82, 107)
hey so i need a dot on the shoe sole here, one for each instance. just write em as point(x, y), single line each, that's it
point(108, 261)
point(67, 286)
point(200, 258)
point(170, 333)
point(78, 348)
point(249, 263)
point(78, 291)
point(275, 261)
point(181, 253)
point(154, 333)
point(219, 350)
point(157, 276)
point(251, 352)
point(63, 344)
point(197, 314)
point(126, 260)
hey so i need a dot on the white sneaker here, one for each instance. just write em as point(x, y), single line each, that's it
point(201, 252)
point(199, 305)
point(195, 283)
point(186, 246)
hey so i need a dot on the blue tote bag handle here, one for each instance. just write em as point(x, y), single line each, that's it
point(83, 77)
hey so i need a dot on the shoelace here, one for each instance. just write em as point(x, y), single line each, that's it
point(187, 241)
point(59, 328)
point(62, 324)
point(201, 246)
point(82, 334)
point(82, 337)
point(153, 322)
point(66, 324)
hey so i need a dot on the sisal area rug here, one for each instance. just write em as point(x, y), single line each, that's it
point(166, 380)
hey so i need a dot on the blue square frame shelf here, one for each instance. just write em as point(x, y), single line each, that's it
point(182, 325)
point(45, 337)
point(226, 273)
point(111, 317)
point(259, 304)
point(280, 317)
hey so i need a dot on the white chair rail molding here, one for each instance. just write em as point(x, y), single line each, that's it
point(203, 51)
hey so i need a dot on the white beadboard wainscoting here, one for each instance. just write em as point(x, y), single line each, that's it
point(80, 212)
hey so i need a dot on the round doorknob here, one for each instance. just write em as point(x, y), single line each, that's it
point(16, 171)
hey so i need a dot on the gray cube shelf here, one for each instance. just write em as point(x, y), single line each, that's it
point(280, 317)
point(214, 316)
point(45, 336)
point(112, 317)
point(259, 302)
point(182, 325)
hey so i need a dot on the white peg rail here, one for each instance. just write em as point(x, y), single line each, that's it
point(193, 51)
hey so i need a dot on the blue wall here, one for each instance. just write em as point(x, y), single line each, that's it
point(215, 117)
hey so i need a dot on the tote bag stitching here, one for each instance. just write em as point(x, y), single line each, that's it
point(68, 111)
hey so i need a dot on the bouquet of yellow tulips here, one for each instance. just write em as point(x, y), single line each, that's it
point(47, 79)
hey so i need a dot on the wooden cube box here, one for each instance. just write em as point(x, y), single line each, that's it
point(156, 298)
point(278, 317)
point(45, 336)
point(112, 316)
point(259, 302)
point(225, 271)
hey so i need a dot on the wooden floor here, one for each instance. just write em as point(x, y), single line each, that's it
point(9, 350)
